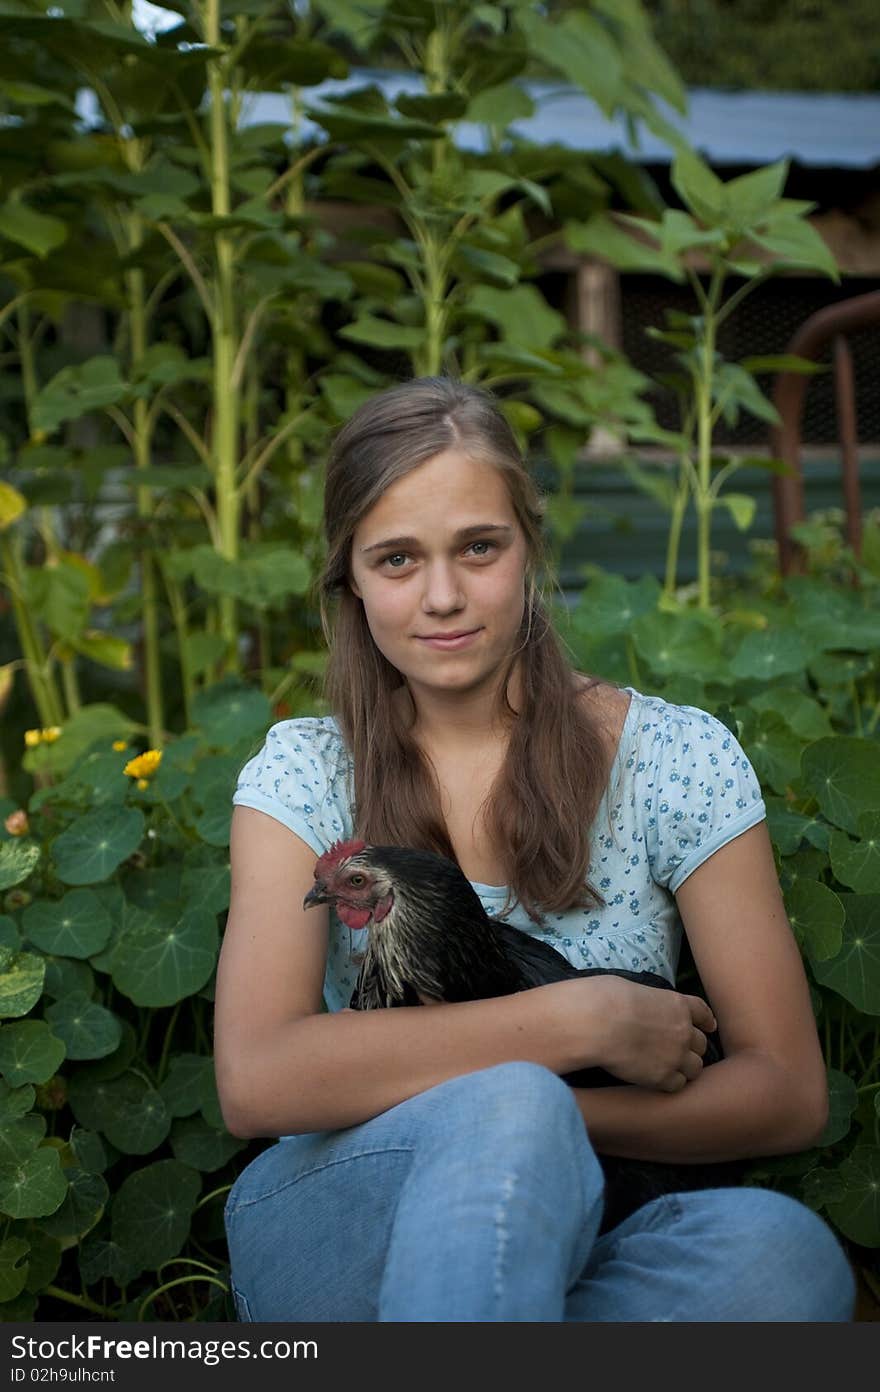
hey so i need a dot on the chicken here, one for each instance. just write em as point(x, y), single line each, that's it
point(429, 939)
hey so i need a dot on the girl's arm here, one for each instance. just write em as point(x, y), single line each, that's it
point(768, 1095)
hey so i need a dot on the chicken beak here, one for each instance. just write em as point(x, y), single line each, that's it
point(316, 895)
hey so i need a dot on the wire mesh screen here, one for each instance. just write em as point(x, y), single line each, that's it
point(764, 323)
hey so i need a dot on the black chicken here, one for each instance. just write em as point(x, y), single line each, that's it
point(430, 939)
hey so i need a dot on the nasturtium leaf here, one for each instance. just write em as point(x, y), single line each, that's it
point(854, 971)
point(127, 1109)
point(152, 1211)
point(207, 887)
point(833, 618)
point(29, 1052)
point(857, 863)
point(97, 843)
point(839, 669)
point(186, 1085)
point(161, 962)
point(99, 1257)
point(9, 934)
point(214, 822)
point(843, 774)
point(21, 981)
point(822, 1186)
point(44, 1258)
point(816, 916)
point(774, 751)
point(673, 643)
point(84, 1202)
point(15, 1102)
point(13, 1266)
point(90, 1075)
point(799, 711)
point(204, 1147)
point(769, 654)
point(843, 1100)
point(857, 1214)
point(154, 887)
point(609, 604)
point(787, 827)
point(64, 975)
point(19, 1138)
point(17, 860)
point(76, 925)
point(88, 1149)
point(88, 1029)
point(34, 1187)
point(227, 711)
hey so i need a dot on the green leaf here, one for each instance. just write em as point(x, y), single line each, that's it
point(21, 981)
point(609, 605)
point(817, 917)
point(741, 507)
point(87, 1029)
point(100, 1258)
point(579, 46)
point(781, 362)
point(37, 232)
point(20, 1138)
point(127, 1110)
point(74, 926)
point(854, 972)
point(857, 863)
point(152, 1212)
point(843, 773)
point(228, 711)
point(44, 1258)
point(204, 1147)
point(92, 848)
point(382, 333)
point(29, 1052)
point(188, 1084)
point(13, 1267)
point(795, 242)
point(857, 1214)
point(33, 1188)
point(161, 962)
point(843, 1099)
point(602, 236)
point(18, 859)
point(74, 391)
point(751, 197)
point(14, 1102)
point(699, 189)
point(59, 595)
point(83, 1205)
point(260, 579)
point(770, 653)
point(673, 643)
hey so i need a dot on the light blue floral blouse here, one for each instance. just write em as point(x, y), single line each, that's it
point(680, 787)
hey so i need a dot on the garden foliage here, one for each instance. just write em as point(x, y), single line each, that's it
point(188, 318)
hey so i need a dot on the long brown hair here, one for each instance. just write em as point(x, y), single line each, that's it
point(542, 804)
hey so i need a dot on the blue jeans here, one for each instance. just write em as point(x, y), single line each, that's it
point(480, 1200)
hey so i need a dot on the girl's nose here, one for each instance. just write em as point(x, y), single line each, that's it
point(442, 588)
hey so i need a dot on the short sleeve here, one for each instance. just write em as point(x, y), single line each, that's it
point(705, 793)
point(299, 777)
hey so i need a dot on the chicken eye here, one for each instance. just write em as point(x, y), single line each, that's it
point(356, 881)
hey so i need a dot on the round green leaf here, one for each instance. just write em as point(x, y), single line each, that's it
point(774, 751)
point(13, 1267)
point(17, 860)
point(87, 1028)
point(89, 1150)
point(97, 843)
point(857, 1214)
point(843, 773)
point(227, 711)
point(770, 653)
point(84, 1202)
point(816, 916)
point(127, 1109)
point(159, 963)
point(9, 934)
point(857, 863)
point(21, 981)
point(20, 1138)
point(843, 1099)
point(99, 1258)
point(65, 975)
point(854, 972)
point(609, 604)
point(33, 1188)
point(204, 1147)
point(75, 926)
point(152, 1212)
point(184, 1089)
point(673, 643)
point(29, 1052)
point(839, 669)
point(44, 1258)
point(14, 1102)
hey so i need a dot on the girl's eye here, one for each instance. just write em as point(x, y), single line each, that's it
point(395, 554)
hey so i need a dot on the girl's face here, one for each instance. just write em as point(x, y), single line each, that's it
point(442, 552)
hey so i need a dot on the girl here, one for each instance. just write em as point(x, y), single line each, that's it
point(432, 1164)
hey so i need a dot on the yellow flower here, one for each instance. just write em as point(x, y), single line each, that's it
point(52, 734)
point(119, 745)
point(142, 766)
point(32, 737)
point(17, 823)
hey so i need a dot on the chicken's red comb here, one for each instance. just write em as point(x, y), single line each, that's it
point(339, 851)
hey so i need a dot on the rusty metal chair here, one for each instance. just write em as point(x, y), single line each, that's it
point(829, 325)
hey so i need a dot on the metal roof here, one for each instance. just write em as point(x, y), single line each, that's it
point(819, 129)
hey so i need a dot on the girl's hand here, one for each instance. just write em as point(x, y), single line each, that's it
point(646, 1036)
